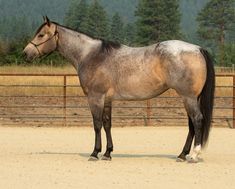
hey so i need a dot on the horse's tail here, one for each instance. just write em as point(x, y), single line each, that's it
point(206, 97)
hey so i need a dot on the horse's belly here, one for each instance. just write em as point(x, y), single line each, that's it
point(139, 91)
point(136, 96)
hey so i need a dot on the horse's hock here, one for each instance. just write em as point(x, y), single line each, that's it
point(57, 99)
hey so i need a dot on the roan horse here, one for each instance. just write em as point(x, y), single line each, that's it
point(110, 71)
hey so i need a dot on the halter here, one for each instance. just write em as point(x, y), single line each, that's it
point(37, 45)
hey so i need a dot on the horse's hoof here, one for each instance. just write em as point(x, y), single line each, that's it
point(190, 159)
point(105, 158)
point(179, 159)
point(92, 158)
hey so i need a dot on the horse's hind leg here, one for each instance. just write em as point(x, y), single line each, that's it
point(107, 124)
point(194, 112)
point(188, 143)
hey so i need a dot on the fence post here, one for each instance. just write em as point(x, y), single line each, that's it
point(233, 101)
point(148, 109)
point(64, 99)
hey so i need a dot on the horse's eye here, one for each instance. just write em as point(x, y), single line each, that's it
point(40, 35)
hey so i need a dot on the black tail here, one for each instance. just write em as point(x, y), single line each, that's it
point(207, 97)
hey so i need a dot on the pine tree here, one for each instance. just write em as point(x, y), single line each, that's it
point(172, 17)
point(215, 22)
point(229, 54)
point(158, 20)
point(96, 23)
point(129, 34)
point(76, 15)
point(116, 29)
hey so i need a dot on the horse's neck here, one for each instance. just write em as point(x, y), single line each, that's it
point(75, 46)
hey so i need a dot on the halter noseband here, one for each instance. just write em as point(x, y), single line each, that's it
point(37, 45)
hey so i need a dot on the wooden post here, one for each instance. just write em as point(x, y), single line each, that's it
point(148, 109)
point(64, 99)
point(233, 101)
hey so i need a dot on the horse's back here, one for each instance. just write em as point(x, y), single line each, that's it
point(176, 47)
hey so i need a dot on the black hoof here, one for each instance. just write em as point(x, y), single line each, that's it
point(105, 158)
point(179, 159)
point(92, 158)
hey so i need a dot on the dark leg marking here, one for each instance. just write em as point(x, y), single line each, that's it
point(96, 103)
point(188, 143)
point(107, 123)
point(193, 110)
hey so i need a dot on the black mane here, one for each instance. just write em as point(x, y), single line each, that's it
point(108, 46)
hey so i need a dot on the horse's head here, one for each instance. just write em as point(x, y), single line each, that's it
point(44, 41)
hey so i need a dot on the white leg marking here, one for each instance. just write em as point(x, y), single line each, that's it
point(194, 157)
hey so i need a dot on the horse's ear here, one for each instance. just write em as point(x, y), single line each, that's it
point(46, 20)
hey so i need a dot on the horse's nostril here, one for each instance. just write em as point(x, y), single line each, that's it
point(24, 54)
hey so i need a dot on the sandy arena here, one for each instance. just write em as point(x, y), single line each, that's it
point(49, 158)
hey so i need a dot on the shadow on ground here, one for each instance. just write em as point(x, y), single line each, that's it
point(87, 155)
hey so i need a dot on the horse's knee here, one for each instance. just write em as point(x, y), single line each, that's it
point(97, 125)
point(106, 118)
point(106, 122)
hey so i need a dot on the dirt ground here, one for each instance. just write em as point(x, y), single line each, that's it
point(144, 157)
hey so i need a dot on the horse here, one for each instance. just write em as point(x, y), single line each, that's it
point(111, 71)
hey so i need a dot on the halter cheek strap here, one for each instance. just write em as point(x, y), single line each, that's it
point(36, 46)
point(54, 36)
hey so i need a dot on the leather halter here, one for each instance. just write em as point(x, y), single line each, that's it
point(37, 45)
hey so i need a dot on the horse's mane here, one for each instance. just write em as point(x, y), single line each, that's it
point(107, 46)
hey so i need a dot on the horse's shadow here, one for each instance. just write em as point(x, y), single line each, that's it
point(87, 155)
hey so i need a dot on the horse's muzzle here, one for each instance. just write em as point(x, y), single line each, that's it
point(28, 55)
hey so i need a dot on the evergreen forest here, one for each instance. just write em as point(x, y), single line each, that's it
point(209, 23)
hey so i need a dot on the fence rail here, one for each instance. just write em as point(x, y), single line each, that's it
point(68, 108)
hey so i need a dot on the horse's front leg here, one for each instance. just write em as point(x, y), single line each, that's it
point(96, 103)
point(107, 124)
